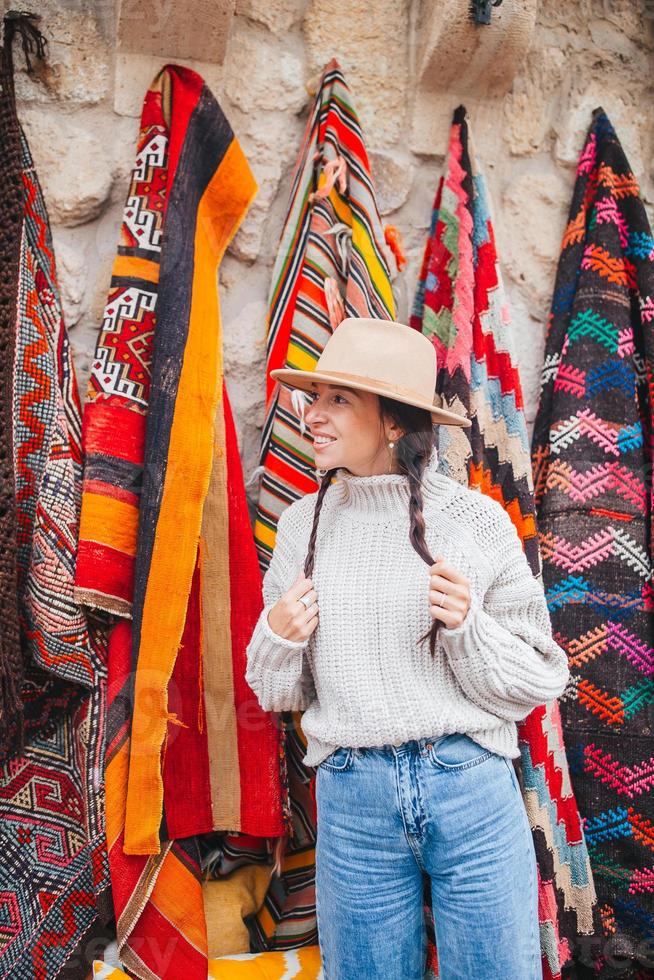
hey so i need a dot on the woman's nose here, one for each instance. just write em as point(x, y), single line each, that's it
point(313, 412)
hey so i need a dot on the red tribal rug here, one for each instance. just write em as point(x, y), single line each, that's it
point(54, 882)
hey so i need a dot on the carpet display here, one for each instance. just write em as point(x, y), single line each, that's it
point(143, 789)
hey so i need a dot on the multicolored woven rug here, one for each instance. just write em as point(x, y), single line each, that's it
point(331, 264)
point(54, 879)
point(461, 305)
point(165, 539)
point(592, 456)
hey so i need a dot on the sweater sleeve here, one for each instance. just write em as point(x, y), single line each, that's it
point(276, 670)
point(503, 653)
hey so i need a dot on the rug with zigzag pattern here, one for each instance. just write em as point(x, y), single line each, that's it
point(461, 305)
point(592, 458)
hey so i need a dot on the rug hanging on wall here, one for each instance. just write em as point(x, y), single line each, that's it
point(592, 456)
point(54, 879)
point(166, 543)
point(461, 305)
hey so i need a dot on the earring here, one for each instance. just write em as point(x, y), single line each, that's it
point(391, 446)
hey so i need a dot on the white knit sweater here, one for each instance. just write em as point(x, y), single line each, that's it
point(362, 679)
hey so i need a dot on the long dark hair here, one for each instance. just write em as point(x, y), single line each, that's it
point(413, 449)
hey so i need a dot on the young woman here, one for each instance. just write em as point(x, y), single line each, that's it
point(412, 740)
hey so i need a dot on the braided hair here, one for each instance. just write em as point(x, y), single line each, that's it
point(414, 449)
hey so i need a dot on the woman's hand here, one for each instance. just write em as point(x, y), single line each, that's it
point(449, 594)
point(289, 618)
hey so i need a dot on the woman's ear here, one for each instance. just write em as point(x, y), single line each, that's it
point(389, 428)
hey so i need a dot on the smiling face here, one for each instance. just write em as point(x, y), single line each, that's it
point(348, 430)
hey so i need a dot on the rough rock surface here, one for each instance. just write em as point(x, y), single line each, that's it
point(81, 114)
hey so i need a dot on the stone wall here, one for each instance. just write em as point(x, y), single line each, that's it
point(81, 116)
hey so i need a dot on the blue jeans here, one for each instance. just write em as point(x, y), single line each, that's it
point(443, 806)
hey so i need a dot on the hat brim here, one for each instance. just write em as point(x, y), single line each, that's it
point(306, 379)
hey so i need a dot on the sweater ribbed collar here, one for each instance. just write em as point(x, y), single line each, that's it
point(387, 493)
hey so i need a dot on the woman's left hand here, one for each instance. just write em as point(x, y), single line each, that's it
point(449, 593)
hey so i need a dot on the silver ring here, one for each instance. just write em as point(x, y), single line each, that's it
point(442, 599)
point(306, 602)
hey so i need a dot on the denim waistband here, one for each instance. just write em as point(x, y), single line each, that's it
point(418, 745)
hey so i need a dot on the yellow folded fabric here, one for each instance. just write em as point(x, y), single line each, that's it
point(299, 964)
point(294, 964)
point(227, 901)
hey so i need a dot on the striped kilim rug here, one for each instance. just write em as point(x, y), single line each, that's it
point(592, 456)
point(331, 264)
point(461, 305)
point(166, 542)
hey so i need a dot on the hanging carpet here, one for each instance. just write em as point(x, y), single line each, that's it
point(165, 539)
point(592, 457)
point(461, 305)
point(54, 881)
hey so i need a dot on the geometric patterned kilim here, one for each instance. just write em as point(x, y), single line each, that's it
point(460, 304)
point(53, 862)
point(53, 870)
point(592, 460)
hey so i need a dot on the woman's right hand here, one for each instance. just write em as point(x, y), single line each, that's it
point(289, 618)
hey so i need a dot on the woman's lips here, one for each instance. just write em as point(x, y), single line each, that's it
point(322, 445)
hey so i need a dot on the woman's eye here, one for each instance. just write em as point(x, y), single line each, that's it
point(311, 399)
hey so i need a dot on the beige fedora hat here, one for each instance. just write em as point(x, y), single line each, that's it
point(380, 356)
